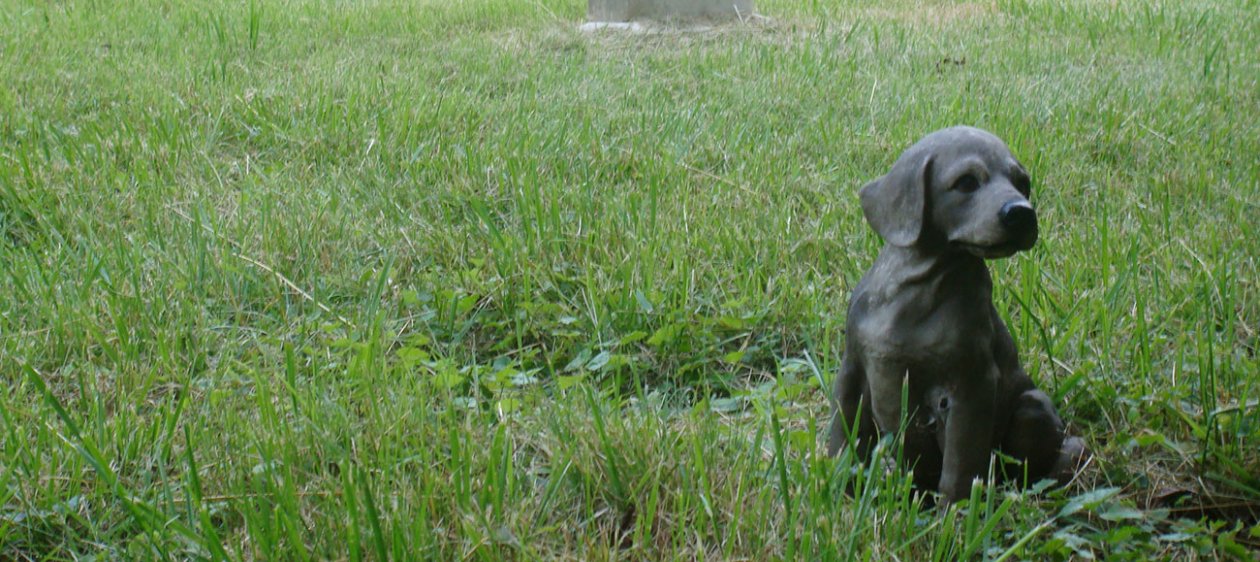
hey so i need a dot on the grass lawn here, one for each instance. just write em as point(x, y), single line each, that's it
point(451, 280)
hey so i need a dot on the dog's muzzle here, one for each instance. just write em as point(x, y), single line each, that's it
point(1020, 220)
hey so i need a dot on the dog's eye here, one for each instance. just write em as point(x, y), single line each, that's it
point(967, 184)
point(1023, 186)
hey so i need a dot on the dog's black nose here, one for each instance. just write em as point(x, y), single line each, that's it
point(1020, 220)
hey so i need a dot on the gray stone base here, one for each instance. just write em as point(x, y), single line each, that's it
point(607, 12)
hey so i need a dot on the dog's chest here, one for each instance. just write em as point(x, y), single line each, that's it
point(911, 335)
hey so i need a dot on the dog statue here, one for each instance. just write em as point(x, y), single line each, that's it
point(923, 316)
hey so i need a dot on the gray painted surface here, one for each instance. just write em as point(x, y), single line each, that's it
point(664, 10)
point(922, 330)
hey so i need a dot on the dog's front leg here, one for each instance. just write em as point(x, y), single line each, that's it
point(968, 437)
point(852, 417)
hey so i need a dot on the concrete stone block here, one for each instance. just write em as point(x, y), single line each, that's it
point(614, 11)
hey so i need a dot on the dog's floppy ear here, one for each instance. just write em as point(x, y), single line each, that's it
point(894, 204)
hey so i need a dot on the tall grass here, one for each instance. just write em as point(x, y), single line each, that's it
point(377, 280)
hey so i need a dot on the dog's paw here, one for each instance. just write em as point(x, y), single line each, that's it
point(1072, 457)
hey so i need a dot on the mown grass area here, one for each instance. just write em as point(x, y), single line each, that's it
point(452, 280)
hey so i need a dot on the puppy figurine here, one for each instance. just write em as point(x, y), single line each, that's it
point(923, 316)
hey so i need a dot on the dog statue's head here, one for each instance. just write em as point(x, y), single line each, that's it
point(957, 189)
